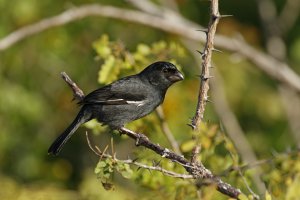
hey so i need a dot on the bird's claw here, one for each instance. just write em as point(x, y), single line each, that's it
point(140, 138)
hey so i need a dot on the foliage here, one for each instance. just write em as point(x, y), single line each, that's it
point(217, 151)
point(35, 106)
point(117, 60)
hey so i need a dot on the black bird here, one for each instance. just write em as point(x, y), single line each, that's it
point(124, 100)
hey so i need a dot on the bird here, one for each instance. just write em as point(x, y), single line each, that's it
point(125, 100)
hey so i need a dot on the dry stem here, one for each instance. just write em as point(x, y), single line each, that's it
point(206, 64)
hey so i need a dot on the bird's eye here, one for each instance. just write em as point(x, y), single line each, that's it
point(165, 70)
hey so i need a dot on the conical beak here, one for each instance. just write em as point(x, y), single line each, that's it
point(177, 76)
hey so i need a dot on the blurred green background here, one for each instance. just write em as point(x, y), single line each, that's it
point(36, 106)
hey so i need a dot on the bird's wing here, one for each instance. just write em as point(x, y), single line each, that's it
point(124, 91)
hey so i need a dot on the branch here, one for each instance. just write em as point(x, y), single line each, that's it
point(228, 119)
point(102, 154)
point(273, 67)
point(196, 169)
point(206, 64)
point(77, 92)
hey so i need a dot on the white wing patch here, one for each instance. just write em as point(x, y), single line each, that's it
point(137, 103)
point(122, 101)
point(114, 100)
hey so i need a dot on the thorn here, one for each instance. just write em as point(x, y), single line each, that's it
point(201, 53)
point(138, 169)
point(214, 17)
point(217, 50)
point(207, 100)
point(205, 78)
point(191, 125)
point(155, 164)
point(134, 160)
point(223, 16)
point(203, 30)
point(218, 16)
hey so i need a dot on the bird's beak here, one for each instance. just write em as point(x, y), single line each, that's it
point(177, 76)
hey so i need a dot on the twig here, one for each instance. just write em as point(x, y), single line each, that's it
point(195, 152)
point(206, 63)
point(101, 154)
point(273, 67)
point(166, 130)
point(205, 75)
point(255, 196)
point(244, 180)
point(90, 145)
point(77, 92)
point(197, 170)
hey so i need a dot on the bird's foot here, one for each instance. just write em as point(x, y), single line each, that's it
point(140, 139)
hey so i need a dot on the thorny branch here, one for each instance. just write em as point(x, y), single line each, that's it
point(204, 77)
point(197, 169)
point(206, 64)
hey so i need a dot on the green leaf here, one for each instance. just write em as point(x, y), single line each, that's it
point(125, 170)
point(127, 174)
point(102, 164)
point(105, 72)
point(102, 46)
point(99, 167)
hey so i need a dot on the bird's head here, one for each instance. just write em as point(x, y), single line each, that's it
point(162, 74)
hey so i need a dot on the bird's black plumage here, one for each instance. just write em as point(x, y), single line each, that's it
point(124, 100)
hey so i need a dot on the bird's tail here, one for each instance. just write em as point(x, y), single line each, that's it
point(57, 145)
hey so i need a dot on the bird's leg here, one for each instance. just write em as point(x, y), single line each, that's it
point(140, 139)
